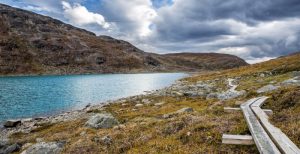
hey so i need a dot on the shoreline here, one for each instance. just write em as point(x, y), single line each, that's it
point(98, 105)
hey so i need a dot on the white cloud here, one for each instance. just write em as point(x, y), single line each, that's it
point(259, 60)
point(134, 17)
point(80, 16)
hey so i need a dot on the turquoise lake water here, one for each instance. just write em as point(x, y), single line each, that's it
point(22, 97)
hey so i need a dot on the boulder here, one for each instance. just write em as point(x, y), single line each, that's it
point(12, 123)
point(267, 88)
point(102, 121)
point(296, 73)
point(146, 101)
point(45, 148)
point(139, 105)
point(293, 81)
point(159, 104)
point(6, 148)
point(230, 95)
point(184, 110)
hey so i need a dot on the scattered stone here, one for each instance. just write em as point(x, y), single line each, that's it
point(267, 88)
point(139, 105)
point(102, 121)
point(45, 148)
point(12, 123)
point(146, 101)
point(119, 127)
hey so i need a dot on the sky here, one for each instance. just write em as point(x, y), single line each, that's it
point(255, 30)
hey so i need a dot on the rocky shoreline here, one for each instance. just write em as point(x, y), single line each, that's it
point(221, 89)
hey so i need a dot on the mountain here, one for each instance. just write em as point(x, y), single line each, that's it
point(36, 44)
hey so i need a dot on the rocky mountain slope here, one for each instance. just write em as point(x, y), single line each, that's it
point(36, 44)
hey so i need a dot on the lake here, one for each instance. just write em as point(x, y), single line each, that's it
point(22, 97)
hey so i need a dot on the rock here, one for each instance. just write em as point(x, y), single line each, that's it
point(119, 127)
point(102, 121)
point(191, 93)
point(83, 133)
point(296, 73)
point(212, 95)
point(45, 148)
point(159, 104)
point(267, 88)
point(6, 149)
point(12, 123)
point(106, 140)
point(146, 101)
point(262, 75)
point(293, 81)
point(39, 140)
point(176, 93)
point(230, 95)
point(184, 110)
point(139, 105)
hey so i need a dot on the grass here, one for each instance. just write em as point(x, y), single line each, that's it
point(145, 130)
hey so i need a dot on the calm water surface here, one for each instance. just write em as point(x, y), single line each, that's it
point(22, 97)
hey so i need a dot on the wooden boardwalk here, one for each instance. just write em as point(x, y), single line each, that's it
point(268, 138)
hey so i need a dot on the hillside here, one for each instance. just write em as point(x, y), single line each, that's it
point(188, 117)
point(36, 44)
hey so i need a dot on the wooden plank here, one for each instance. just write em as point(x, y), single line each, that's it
point(284, 144)
point(231, 109)
point(268, 112)
point(237, 139)
point(263, 142)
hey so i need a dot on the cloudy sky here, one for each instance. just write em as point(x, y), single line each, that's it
point(255, 30)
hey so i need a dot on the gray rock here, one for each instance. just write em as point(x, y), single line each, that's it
point(267, 88)
point(293, 81)
point(230, 95)
point(159, 104)
point(139, 105)
point(296, 73)
point(146, 101)
point(45, 148)
point(106, 140)
point(184, 110)
point(12, 123)
point(6, 149)
point(212, 95)
point(102, 121)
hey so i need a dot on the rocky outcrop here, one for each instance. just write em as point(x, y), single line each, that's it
point(36, 44)
point(45, 148)
point(12, 123)
point(267, 88)
point(102, 121)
